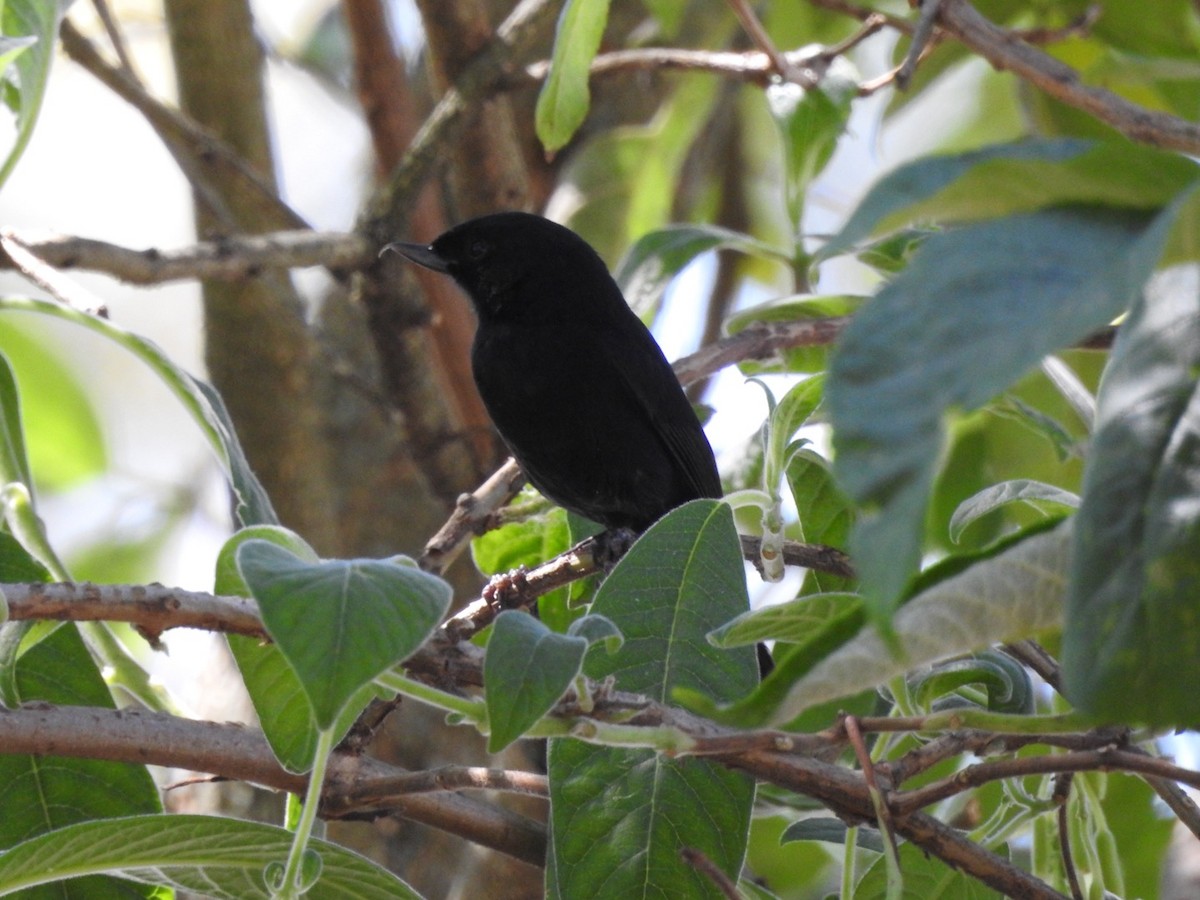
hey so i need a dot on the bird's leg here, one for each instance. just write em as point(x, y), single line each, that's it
point(610, 546)
point(508, 590)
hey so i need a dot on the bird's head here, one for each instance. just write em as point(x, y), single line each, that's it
point(514, 264)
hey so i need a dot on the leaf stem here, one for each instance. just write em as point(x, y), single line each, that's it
point(291, 888)
point(474, 710)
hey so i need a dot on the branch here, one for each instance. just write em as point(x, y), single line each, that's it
point(242, 753)
point(1104, 758)
point(152, 608)
point(359, 786)
point(205, 159)
point(843, 792)
point(1005, 51)
point(387, 214)
point(231, 258)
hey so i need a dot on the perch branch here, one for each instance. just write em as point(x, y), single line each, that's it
point(242, 753)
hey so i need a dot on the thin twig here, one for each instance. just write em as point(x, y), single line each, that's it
point(711, 871)
point(781, 66)
point(115, 37)
point(198, 151)
point(1075, 761)
point(877, 792)
point(1034, 655)
point(1060, 797)
point(1007, 53)
point(232, 258)
point(922, 39)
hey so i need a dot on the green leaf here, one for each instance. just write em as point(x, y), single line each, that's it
point(810, 123)
point(340, 623)
point(1015, 594)
point(526, 542)
point(12, 47)
point(1066, 445)
point(1141, 832)
point(278, 697)
point(831, 831)
point(1017, 178)
point(800, 621)
point(627, 180)
point(200, 400)
point(34, 23)
point(977, 308)
point(61, 426)
point(206, 855)
point(893, 252)
point(658, 256)
point(788, 416)
point(563, 103)
point(1132, 644)
point(530, 542)
point(619, 817)
point(527, 669)
point(1005, 684)
point(807, 630)
point(826, 516)
point(14, 461)
point(997, 495)
point(925, 878)
point(17, 564)
point(42, 793)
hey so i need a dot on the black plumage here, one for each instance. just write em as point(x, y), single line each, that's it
point(574, 382)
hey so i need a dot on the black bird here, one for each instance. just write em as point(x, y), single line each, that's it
point(574, 382)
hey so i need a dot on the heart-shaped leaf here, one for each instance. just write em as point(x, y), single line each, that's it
point(339, 623)
point(528, 667)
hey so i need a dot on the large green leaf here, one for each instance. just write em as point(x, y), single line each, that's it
point(1132, 648)
point(1016, 178)
point(199, 399)
point(925, 878)
point(283, 710)
point(563, 103)
point(60, 423)
point(206, 855)
point(1015, 594)
point(340, 623)
point(30, 28)
point(978, 307)
point(658, 256)
point(43, 793)
point(619, 817)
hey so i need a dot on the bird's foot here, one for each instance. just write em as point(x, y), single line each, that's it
point(611, 545)
point(507, 590)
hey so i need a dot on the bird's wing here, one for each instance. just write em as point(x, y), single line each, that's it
point(671, 415)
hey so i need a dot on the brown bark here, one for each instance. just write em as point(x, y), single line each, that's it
point(258, 350)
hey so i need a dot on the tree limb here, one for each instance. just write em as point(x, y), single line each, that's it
point(231, 258)
point(1005, 51)
point(242, 753)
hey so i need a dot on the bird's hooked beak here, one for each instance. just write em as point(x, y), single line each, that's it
point(421, 254)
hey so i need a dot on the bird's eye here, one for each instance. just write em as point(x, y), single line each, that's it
point(478, 250)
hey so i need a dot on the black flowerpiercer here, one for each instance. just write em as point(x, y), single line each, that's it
point(574, 382)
